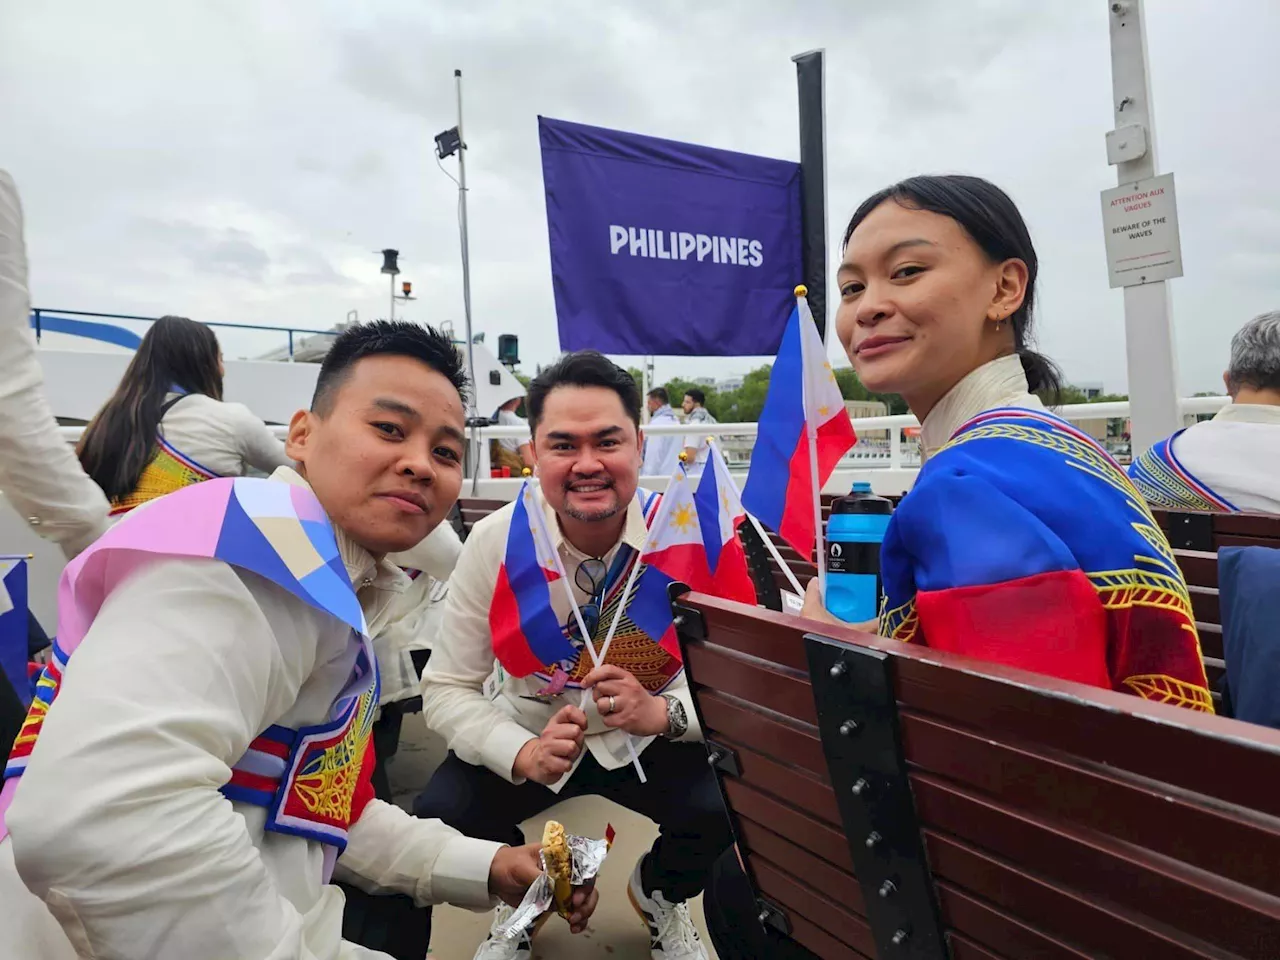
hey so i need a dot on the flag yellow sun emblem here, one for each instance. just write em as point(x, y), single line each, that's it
point(682, 517)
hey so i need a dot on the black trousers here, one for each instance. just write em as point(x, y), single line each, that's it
point(681, 796)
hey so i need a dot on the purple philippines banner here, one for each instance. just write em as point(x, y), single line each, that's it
point(660, 247)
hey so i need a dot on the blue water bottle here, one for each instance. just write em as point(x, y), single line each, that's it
point(854, 534)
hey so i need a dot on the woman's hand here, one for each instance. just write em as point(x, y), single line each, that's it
point(814, 609)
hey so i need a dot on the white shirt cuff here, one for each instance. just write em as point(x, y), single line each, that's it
point(461, 873)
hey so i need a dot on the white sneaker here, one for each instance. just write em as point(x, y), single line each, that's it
point(672, 935)
point(495, 948)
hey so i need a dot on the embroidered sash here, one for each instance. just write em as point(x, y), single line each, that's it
point(167, 471)
point(1164, 482)
point(307, 779)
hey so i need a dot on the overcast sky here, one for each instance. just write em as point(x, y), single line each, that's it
point(240, 161)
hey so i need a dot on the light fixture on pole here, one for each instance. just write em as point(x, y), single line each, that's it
point(406, 288)
point(391, 267)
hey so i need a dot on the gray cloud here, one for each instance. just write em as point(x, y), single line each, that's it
point(241, 162)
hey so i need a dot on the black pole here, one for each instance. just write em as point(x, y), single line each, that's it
point(813, 181)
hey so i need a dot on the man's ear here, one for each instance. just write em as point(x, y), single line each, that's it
point(295, 444)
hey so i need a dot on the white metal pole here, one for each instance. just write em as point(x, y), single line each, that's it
point(466, 253)
point(1148, 315)
point(392, 278)
point(472, 411)
point(644, 387)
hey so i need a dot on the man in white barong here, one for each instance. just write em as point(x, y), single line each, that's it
point(1232, 462)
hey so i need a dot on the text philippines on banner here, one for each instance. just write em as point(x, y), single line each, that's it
point(667, 248)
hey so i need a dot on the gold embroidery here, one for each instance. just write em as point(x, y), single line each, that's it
point(326, 786)
point(1165, 689)
point(164, 473)
point(1162, 588)
point(900, 623)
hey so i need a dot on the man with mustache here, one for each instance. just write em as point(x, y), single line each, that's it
point(519, 743)
point(197, 768)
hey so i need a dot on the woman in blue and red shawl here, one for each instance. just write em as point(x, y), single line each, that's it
point(1022, 541)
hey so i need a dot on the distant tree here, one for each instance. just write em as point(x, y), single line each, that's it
point(851, 388)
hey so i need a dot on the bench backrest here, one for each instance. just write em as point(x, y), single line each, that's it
point(1196, 539)
point(474, 509)
point(907, 802)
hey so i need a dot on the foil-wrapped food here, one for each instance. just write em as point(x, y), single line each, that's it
point(567, 862)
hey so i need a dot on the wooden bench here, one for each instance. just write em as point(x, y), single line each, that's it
point(895, 802)
point(1196, 539)
point(473, 509)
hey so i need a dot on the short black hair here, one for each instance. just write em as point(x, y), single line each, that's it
point(697, 396)
point(660, 394)
point(396, 338)
point(583, 368)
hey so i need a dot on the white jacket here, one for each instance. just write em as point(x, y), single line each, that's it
point(224, 438)
point(118, 823)
point(39, 473)
point(1237, 455)
point(661, 451)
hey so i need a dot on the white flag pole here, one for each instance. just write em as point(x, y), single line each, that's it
point(658, 520)
point(777, 557)
point(539, 518)
point(617, 618)
point(819, 540)
point(760, 530)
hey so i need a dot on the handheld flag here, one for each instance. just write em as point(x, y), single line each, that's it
point(692, 540)
point(720, 513)
point(803, 407)
point(527, 635)
point(13, 624)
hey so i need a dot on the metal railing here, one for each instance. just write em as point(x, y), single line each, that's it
point(897, 453)
point(39, 316)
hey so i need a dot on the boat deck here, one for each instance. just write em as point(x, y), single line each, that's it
point(615, 932)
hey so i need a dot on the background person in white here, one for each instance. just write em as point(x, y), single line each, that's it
point(513, 756)
point(661, 451)
point(1237, 453)
point(172, 388)
point(513, 452)
point(38, 470)
point(695, 444)
point(118, 824)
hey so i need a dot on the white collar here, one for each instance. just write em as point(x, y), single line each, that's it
point(1249, 413)
point(999, 383)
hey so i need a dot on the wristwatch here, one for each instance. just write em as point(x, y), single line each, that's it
point(677, 719)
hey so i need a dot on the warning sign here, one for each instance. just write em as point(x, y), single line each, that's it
point(1141, 224)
